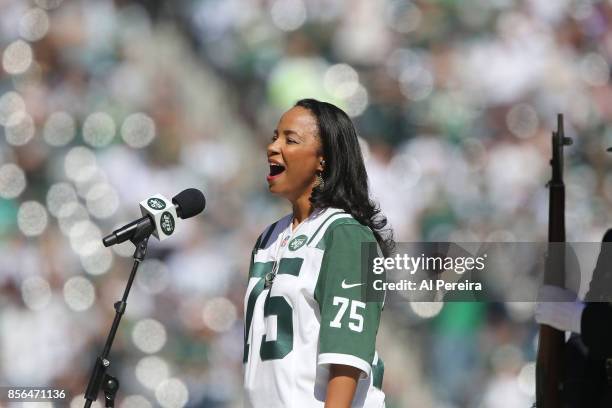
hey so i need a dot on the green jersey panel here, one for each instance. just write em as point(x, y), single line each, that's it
point(348, 323)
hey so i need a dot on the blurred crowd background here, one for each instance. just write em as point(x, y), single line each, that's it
point(104, 103)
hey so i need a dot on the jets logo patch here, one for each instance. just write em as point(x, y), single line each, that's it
point(297, 242)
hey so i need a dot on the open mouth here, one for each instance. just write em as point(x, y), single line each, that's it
point(276, 169)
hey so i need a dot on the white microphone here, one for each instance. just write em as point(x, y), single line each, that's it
point(159, 216)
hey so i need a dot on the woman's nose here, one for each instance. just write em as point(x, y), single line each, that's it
point(273, 147)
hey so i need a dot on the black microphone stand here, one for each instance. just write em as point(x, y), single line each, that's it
point(99, 377)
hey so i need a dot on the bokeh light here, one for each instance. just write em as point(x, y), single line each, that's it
point(341, 81)
point(102, 200)
point(17, 57)
point(288, 15)
point(219, 314)
point(36, 292)
point(138, 130)
point(85, 237)
point(426, 310)
point(12, 180)
point(151, 371)
point(357, 102)
point(98, 261)
point(21, 132)
point(522, 120)
point(79, 293)
point(80, 163)
point(70, 214)
point(172, 393)
point(59, 129)
point(12, 108)
point(99, 129)
point(86, 183)
point(59, 195)
point(32, 218)
point(149, 335)
point(34, 24)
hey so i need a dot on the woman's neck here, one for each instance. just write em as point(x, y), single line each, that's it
point(302, 208)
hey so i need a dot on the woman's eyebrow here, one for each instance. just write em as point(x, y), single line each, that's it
point(291, 132)
point(287, 132)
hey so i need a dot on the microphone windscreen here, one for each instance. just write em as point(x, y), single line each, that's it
point(190, 202)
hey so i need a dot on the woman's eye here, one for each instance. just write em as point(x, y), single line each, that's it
point(274, 137)
point(291, 141)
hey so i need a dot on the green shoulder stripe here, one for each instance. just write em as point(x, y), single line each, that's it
point(322, 224)
point(259, 269)
point(334, 224)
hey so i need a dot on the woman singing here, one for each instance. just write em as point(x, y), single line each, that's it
point(309, 333)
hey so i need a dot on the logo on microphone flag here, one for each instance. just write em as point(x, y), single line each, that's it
point(156, 203)
point(167, 223)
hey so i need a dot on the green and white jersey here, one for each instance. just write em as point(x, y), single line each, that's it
point(312, 315)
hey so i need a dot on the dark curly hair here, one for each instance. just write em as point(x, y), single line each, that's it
point(346, 180)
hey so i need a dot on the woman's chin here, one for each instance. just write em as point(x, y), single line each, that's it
point(278, 191)
point(274, 188)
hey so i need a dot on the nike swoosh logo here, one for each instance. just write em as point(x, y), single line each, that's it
point(349, 285)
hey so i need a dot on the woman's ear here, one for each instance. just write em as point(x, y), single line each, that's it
point(321, 166)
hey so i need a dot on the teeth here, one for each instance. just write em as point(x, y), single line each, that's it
point(276, 168)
